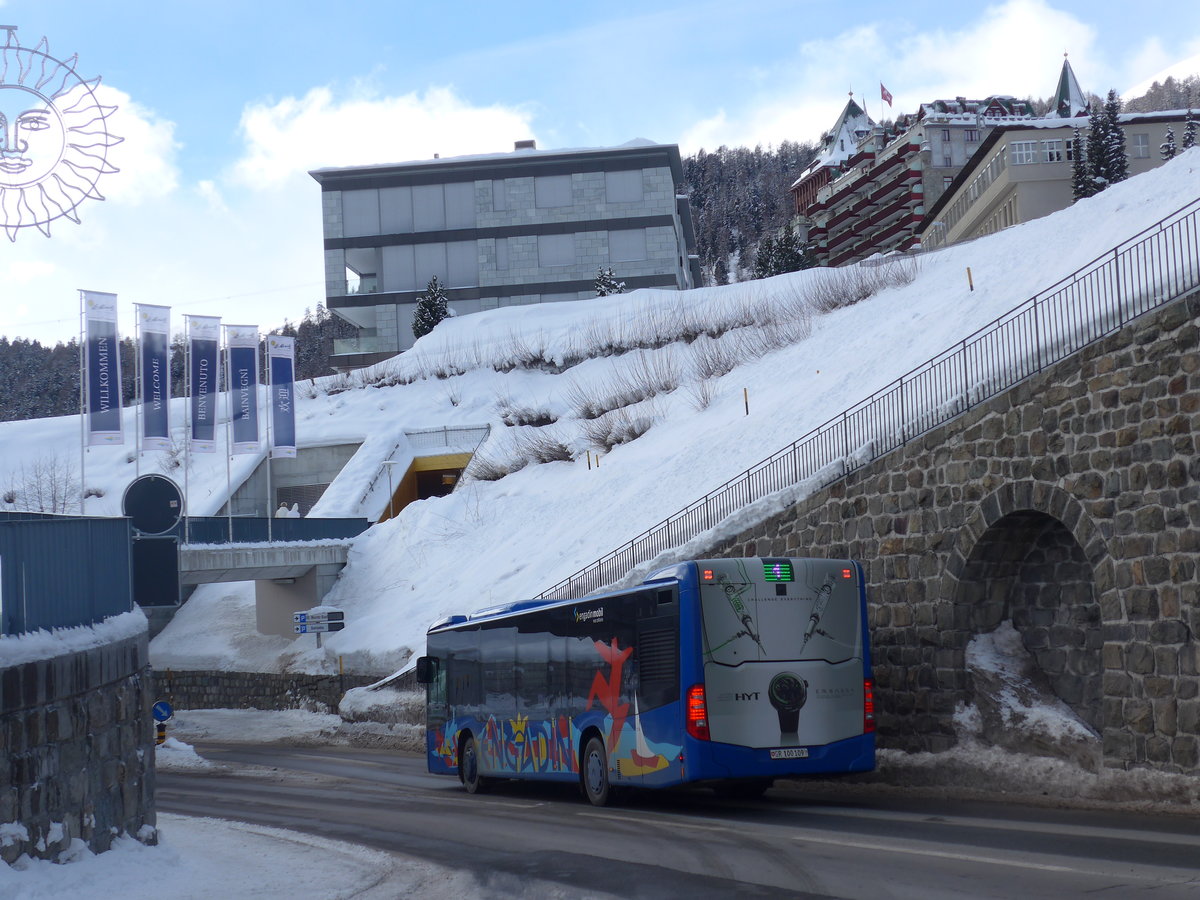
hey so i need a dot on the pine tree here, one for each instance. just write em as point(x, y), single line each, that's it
point(1167, 148)
point(766, 262)
point(1081, 178)
point(606, 282)
point(1116, 159)
point(1189, 131)
point(431, 308)
point(1096, 164)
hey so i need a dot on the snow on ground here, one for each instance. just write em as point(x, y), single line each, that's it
point(497, 541)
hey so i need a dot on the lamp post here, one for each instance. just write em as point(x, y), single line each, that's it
point(388, 463)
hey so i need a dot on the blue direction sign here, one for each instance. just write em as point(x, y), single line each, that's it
point(311, 627)
point(318, 618)
point(162, 711)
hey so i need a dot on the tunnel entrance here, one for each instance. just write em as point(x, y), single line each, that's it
point(1029, 568)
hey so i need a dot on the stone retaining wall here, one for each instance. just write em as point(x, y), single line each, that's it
point(77, 751)
point(1070, 504)
point(253, 690)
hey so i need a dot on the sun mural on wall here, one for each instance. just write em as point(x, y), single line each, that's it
point(54, 139)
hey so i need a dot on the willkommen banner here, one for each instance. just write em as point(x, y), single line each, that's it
point(102, 367)
point(154, 326)
point(204, 340)
point(241, 349)
point(281, 355)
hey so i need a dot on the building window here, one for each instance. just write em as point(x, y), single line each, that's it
point(552, 190)
point(499, 197)
point(556, 250)
point(1141, 146)
point(1052, 151)
point(971, 135)
point(1023, 152)
point(947, 160)
point(947, 180)
point(623, 187)
point(627, 245)
point(945, 134)
point(1071, 151)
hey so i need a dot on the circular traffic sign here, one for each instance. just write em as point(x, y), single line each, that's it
point(153, 503)
point(162, 711)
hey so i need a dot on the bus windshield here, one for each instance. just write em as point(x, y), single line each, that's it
point(746, 618)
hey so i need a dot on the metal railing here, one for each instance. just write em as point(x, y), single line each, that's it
point(1159, 264)
point(255, 530)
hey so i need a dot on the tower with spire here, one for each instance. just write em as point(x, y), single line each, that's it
point(1069, 102)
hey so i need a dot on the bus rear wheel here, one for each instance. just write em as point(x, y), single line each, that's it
point(594, 773)
point(468, 766)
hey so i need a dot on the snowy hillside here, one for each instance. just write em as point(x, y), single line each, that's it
point(494, 541)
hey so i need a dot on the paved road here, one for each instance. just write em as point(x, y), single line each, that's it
point(540, 840)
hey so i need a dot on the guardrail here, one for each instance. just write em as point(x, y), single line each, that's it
point(1155, 266)
point(259, 530)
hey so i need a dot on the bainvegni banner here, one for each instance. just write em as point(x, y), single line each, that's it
point(154, 326)
point(102, 368)
point(281, 356)
point(204, 342)
point(241, 348)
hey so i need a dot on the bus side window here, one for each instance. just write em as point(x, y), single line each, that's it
point(427, 669)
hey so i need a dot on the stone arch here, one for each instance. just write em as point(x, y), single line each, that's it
point(1030, 553)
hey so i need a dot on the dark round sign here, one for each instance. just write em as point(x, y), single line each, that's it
point(153, 503)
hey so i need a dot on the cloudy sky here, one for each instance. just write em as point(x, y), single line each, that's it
point(224, 106)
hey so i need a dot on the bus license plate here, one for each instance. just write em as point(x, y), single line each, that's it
point(790, 753)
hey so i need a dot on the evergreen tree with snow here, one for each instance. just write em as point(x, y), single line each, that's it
point(606, 282)
point(1116, 159)
point(431, 308)
point(1167, 148)
point(1189, 131)
point(765, 262)
point(1082, 184)
point(1096, 163)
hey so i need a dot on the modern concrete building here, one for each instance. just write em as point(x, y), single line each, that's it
point(529, 226)
point(1023, 172)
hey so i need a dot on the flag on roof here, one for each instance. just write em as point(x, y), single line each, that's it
point(885, 94)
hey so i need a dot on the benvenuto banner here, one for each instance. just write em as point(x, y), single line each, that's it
point(204, 342)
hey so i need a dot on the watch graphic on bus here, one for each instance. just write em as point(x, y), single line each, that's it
point(787, 693)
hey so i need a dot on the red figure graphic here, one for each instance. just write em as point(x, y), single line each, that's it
point(609, 691)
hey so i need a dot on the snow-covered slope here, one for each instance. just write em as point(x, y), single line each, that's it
point(497, 541)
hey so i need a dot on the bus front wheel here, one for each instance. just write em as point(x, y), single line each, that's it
point(595, 773)
point(468, 766)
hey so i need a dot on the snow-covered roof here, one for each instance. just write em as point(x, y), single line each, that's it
point(1069, 101)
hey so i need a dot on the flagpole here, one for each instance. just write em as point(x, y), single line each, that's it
point(228, 434)
point(82, 405)
point(268, 407)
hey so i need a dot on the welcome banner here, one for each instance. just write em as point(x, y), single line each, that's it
point(102, 369)
point(241, 351)
point(154, 325)
point(204, 341)
point(281, 355)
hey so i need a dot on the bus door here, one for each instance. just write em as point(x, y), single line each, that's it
point(783, 654)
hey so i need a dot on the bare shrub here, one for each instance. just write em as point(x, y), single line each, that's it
point(524, 352)
point(701, 394)
point(454, 394)
point(512, 415)
point(488, 467)
point(93, 492)
point(712, 358)
point(540, 447)
point(618, 427)
point(49, 485)
point(838, 288)
point(338, 384)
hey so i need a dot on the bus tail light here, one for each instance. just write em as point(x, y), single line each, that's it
point(697, 713)
point(868, 706)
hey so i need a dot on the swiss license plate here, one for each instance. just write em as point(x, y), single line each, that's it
point(790, 753)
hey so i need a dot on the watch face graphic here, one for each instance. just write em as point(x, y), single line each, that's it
point(787, 693)
point(54, 140)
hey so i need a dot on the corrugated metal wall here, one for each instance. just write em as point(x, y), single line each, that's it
point(63, 572)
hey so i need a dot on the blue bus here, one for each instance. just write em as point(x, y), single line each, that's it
point(726, 672)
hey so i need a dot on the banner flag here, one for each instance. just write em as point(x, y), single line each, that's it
point(884, 94)
point(102, 353)
point(154, 325)
point(281, 353)
point(204, 340)
point(241, 348)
